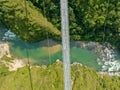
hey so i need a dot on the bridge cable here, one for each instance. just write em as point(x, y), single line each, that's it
point(27, 47)
point(104, 27)
point(47, 33)
point(47, 36)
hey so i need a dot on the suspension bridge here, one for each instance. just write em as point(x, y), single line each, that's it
point(65, 44)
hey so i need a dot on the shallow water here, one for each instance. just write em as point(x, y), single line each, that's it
point(48, 51)
point(40, 53)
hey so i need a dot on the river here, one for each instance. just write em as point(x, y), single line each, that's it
point(91, 54)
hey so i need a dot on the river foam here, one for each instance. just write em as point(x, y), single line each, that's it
point(107, 55)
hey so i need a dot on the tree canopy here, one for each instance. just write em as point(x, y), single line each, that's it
point(91, 20)
point(26, 20)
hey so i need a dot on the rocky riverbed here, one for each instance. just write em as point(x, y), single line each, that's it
point(5, 57)
point(108, 56)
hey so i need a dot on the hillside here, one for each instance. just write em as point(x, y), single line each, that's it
point(26, 21)
point(92, 21)
point(51, 78)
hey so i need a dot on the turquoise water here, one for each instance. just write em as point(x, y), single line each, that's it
point(39, 54)
point(36, 52)
point(84, 56)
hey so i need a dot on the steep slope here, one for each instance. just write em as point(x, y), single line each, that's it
point(88, 21)
point(91, 20)
point(51, 78)
point(30, 25)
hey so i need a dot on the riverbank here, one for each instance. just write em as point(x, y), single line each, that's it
point(109, 73)
point(6, 57)
point(81, 52)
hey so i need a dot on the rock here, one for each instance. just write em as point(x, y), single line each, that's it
point(9, 35)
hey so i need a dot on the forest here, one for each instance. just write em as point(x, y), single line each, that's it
point(90, 20)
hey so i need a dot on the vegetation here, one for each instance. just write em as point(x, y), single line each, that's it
point(26, 20)
point(7, 59)
point(3, 70)
point(51, 78)
point(91, 20)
